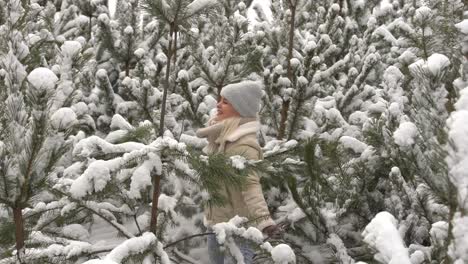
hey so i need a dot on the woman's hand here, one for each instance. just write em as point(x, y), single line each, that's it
point(272, 230)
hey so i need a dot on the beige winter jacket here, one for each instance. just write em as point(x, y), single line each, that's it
point(247, 201)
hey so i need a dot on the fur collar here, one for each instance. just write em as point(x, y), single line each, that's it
point(244, 129)
point(227, 131)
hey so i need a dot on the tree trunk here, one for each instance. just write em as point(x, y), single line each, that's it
point(285, 106)
point(174, 54)
point(154, 207)
point(157, 178)
point(90, 27)
point(166, 83)
point(284, 118)
point(19, 233)
point(175, 43)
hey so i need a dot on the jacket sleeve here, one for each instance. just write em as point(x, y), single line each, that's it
point(252, 191)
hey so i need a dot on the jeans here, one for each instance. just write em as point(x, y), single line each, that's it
point(219, 257)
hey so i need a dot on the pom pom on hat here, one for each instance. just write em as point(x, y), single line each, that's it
point(244, 97)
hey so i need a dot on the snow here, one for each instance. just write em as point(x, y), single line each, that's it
point(458, 123)
point(352, 143)
point(94, 178)
point(101, 73)
point(70, 48)
point(33, 39)
point(194, 141)
point(253, 234)
point(162, 254)
point(310, 46)
point(437, 62)
point(76, 231)
point(458, 248)
point(457, 161)
point(296, 215)
point(98, 163)
point(358, 117)
point(16, 11)
point(94, 144)
point(302, 81)
point(128, 30)
point(73, 170)
point(100, 261)
point(139, 53)
point(395, 109)
point(42, 79)
point(278, 69)
point(341, 250)
point(283, 254)
point(295, 62)
point(98, 173)
point(291, 144)
point(407, 57)
point(387, 35)
point(133, 245)
point(393, 77)
point(422, 14)
point(63, 118)
point(119, 122)
point(104, 18)
point(75, 248)
point(382, 233)
point(161, 58)
point(439, 231)
point(238, 162)
point(463, 26)
point(183, 75)
point(359, 3)
point(417, 257)
point(80, 108)
point(141, 177)
point(406, 134)
point(383, 9)
point(335, 7)
point(198, 5)
point(129, 247)
point(112, 5)
point(167, 203)
point(262, 6)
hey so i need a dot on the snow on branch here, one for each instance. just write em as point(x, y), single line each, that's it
point(281, 254)
point(382, 234)
point(98, 173)
point(199, 5)
point(458, 164)
point(133, 246)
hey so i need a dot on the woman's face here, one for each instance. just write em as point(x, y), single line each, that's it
point(225, 110)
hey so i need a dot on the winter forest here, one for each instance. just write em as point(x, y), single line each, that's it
point(364, 129)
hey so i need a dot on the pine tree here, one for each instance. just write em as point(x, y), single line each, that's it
point(358, 91)
point(359, 159)
point(31, 148)
point(456, 126)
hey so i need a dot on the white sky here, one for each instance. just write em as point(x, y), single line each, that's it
point(265, 4)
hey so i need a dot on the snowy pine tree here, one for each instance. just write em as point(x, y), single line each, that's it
point(99, 111)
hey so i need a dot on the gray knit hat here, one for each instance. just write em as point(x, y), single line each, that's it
point(244, 96)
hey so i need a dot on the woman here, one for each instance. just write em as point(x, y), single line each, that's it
point(233, 132)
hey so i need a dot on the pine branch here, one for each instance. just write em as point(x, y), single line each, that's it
point(158, 8)
point(187, 238)
point(117, 226)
